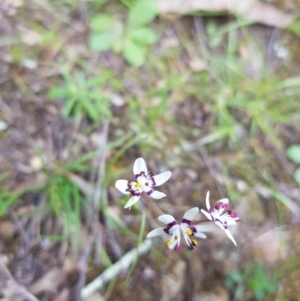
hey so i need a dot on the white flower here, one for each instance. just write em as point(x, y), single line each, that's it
point(222, 220)
point(174, 230)
point(145, 183)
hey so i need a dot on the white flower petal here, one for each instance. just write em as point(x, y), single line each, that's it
point(230, 236)
point(156, 232)
point(139, 166)
point(206, 214)
point(190, 214)
point(162, 178)
point(232, 221)
point(200, 235)
point(132, 201)
point(174, 241)
point(122, 185)
point(166, 218)
point(157, 194)
point(204, 228)
point(207, 201)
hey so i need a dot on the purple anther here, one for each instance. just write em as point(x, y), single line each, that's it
point(177, 248)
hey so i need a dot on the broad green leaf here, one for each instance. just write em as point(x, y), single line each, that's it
point(101, 23)
point(143, 12)
point(105, 40)
point(101, 41)
point(297, 175)
point(134, 54)
point(144, 36)
point(293, 153)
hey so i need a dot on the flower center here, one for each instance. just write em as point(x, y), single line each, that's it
point(138, 185)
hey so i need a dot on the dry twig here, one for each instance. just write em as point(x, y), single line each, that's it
point(122, 265)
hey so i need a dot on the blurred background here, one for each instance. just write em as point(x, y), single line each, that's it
point(206, 89)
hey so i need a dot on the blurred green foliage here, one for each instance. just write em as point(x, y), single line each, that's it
point(253, 278)
point(84, 96)
point(293, 153)
point(133, 39)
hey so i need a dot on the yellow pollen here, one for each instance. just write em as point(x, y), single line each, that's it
point(194, 242)
point(189, 232)
point(138, 185)
point(168, 243)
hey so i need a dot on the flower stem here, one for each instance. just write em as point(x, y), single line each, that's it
point(195, 223)
point(149, 201)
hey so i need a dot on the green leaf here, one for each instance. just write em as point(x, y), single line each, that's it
point(297, 175)
point(143, 12)
point(101, 41)
point(67, 108)
point(90, 110)
point(105, 40)
point(134, 54)
point(144, 36)
point(58, 92)
point(101, 23)
point(293, 153)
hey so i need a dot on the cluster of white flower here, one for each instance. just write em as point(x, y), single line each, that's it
point(145, 183)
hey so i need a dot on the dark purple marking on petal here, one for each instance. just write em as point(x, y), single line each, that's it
point(151, 174)
point(135, 193)
point(225, 206)
point(167, 230)
point(170, 225)
point(150, 191)
point(177, 248)
point(210, 210)
point(219, 205)
point(186, 221)
point(232, 214)
point(153, 181)
point(193, 229)
point(141, 174)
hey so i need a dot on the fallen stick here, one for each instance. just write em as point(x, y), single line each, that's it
point(251, 10)
point(111, 272)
